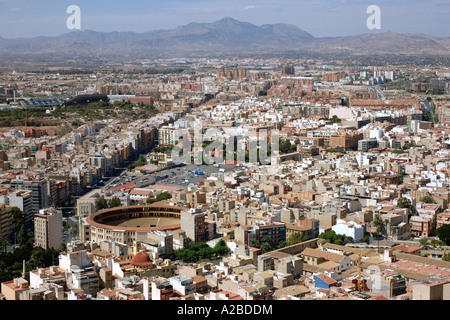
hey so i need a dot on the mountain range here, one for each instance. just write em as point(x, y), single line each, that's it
point(221, 37)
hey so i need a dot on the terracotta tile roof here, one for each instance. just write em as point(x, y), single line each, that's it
point(317, 253)
point(329, 265)
point(198, 279)
point(141, 192)
point(326, 278)
point(292, 290)
point(406, 248)
point(126, 186)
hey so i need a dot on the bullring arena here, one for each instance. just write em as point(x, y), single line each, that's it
point(130, 223)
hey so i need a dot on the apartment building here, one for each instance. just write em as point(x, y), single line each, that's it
point(162, 289)
point(317, 256)
point(308, 228)
point(169, 136)
point(48, 229)
point(442, 219)
point(183, 285)
point(6, 221)
point(193, 223)
point(345, 141)
point(39, 192)
point(12, 289)
point(421, 226)
point(22, 199)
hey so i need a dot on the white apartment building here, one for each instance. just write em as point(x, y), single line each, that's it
point(349, 228)
point(182, 284)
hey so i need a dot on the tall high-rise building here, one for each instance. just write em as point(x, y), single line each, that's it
point(390, 74)
point(39, 192)
point(48, 229)
point(6, 221)
point(22, 199)
point(193, 223)
point(289, 69)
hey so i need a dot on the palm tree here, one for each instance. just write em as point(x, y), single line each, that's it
point(386, 225)
point(4, 243)
point(378, 223)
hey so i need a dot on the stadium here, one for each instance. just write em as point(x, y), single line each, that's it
point(130, 223)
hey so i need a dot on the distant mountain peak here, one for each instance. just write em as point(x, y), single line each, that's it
point(221, 37)
point(228, 19)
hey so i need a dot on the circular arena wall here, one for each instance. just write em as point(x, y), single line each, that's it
point(130, 223)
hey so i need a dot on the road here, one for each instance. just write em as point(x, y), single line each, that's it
point(377, 91)
point(428, 107)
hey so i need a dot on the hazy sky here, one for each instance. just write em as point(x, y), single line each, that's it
point(29, 18)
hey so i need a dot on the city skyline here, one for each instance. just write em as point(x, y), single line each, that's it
point(22, 19)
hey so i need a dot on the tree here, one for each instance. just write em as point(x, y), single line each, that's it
point(201, 250)
point(4, 243)
point(221, 248)
point(443, 233)
point(181, 254)
point(266, 247)
point(162, 196)
point(406, 203)
point(281, 244)
point(427, 199)
point(424, 242)
point(74, 231)
point(296, 237)
point(335, 119)
point(38, 257)
point(286, 146)
point(114, 202)
point(254, 243)
point(25, 239)
point(378, 223)
point(366, 239)
point(142, 161)
point(446, 257)
point(102, 203)
point(205, 253)
point(43, 258)
point(437, 243)
point(18, 218)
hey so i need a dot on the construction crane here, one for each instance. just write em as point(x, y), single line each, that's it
point(359, 282)
point(27, 120)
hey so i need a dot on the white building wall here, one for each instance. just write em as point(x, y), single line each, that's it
point(35, 280)
point(354, 231)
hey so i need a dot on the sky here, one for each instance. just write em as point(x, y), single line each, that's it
point(321, 18)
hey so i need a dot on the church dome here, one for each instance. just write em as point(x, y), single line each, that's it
point(141, 259)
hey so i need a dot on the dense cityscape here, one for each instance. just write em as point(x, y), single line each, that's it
point(226, 178)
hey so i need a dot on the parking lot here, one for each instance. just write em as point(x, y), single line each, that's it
point(179, 176)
